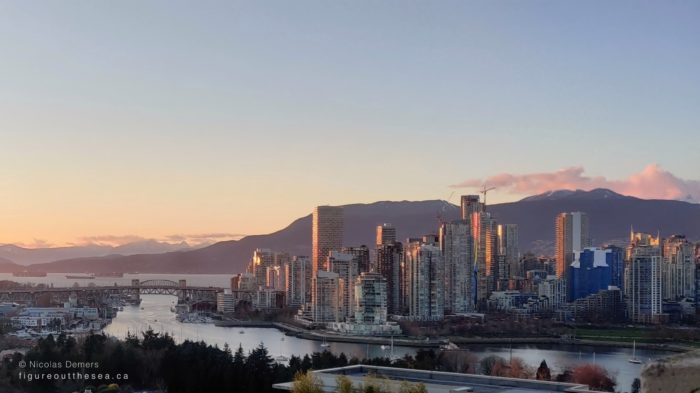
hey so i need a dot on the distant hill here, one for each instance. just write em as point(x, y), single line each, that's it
point(610, 215)
point(26, 256)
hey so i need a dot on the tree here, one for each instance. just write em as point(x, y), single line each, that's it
point(636, 385)
point(594, 376)
point(543, 373)
point(306, 383)
point(343, 383)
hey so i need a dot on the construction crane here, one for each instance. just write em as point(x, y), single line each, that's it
point(441, 212)
point(484, 190)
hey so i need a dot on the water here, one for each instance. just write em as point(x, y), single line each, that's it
point(157, 315)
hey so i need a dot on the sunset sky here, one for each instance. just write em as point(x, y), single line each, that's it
point(209, 120)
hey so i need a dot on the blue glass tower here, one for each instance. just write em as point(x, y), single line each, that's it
point(589, 273)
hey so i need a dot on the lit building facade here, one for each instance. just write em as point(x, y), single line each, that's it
point(326, 294)
point(643, 279)
point(456, 247)
point(426, 281)
point(326, 234)
point(572, 235)
point(346, 267)
point(678, 268)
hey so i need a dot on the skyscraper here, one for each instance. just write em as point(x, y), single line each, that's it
point(389, 265)
point(386, 234)
point(326, 304)
point(263, 258)
point(469, 205)
point(617, 266)
point(360, 253)
point(484, 239)
point(571, 235)
point(643, 279)
point(299, 281)
point(426, 275)
point(678, 268)
point(589, 273)
point(370, 299)
point(456, 246)
point(327, 234)
point(508, 250)
point(346, 266)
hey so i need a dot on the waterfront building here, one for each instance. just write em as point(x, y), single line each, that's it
point(326, 234)
point(589, 273)
point(456, 247)
point(226, 302)
point(643, 279)
point(572, 235)
point(263, 258)
point(426, 280)
point(346, 266)
point(606, 305)
point(326, 289)
point(508, 254)
point(299, 279)
point(361, 254)
point(386, 234)
point(247, 282)
point(268, 298)
point(389, 265)
point(678, 268)
point(554, 289)
point(370, 298)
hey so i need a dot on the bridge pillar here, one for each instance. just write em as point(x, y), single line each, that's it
point(137, 292)
point(183, 283)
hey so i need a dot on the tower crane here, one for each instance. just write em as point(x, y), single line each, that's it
point(484, 190)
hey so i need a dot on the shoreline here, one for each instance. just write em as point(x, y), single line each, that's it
point(435, 343)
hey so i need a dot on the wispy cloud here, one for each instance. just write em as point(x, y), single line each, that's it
point(653, 182)
point(203, 238)
point(111, 240)
point(194, 239)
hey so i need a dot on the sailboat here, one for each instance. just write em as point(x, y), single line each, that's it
point(634, 358)
point(325, 344)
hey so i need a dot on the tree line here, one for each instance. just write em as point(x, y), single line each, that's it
point(154, 361)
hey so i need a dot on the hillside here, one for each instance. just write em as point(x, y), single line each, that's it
point(610, 218)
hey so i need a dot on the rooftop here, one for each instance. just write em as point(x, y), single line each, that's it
point(437, 381)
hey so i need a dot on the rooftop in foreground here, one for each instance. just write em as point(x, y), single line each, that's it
point(437, 381)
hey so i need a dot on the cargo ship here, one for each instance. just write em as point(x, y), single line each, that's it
point(29, 274)
point(81, 276)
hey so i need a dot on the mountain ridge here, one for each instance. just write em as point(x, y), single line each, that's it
point(610, 218)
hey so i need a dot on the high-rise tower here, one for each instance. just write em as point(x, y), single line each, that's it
point(327, 235)
point(572, 236)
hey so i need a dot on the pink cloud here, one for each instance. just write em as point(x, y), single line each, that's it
point(652, 182)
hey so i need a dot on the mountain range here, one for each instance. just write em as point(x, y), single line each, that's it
point(611, 217)
point(27, 256)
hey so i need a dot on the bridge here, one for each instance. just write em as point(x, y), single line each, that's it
point(96, 295)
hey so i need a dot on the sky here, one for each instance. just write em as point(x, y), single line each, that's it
point(182, 120)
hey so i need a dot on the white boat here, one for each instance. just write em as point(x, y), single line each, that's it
point(325, 344)
point(634, 358)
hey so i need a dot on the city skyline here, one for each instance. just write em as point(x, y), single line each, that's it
point(155, 121)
